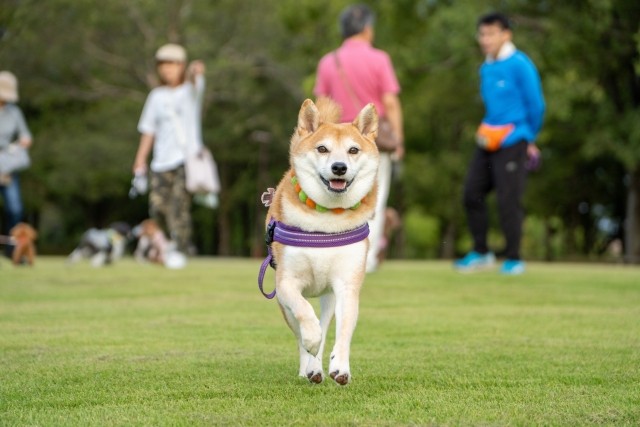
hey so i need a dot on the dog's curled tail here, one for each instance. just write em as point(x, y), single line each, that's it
point(330, 111)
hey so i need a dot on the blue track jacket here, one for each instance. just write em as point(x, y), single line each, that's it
point(512, 94)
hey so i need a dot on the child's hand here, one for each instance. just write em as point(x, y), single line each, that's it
point(196, 68)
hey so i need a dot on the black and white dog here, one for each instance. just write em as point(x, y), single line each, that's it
point(102, 246)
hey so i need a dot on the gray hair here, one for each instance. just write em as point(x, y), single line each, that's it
point(354, 19)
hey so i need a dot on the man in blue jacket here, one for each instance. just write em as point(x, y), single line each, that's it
point(514, 108)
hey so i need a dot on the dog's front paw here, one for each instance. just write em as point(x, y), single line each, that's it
point(314, 370)
point(311, 337)
point(339, 372)
point(341, 378)
point(315, 377)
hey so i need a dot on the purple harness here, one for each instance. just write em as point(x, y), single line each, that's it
point(293, 236)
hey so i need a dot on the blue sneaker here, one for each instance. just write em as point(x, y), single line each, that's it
point(512, 267)
point(475, 261)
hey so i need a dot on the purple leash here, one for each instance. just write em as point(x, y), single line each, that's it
point(293, 236)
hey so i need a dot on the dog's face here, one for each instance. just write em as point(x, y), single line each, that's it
point(148, 227)
point(335, 164)
point(23, 231)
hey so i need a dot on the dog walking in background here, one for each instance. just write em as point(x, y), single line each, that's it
point(317, 229)
point(154, 246)
point(102, 246)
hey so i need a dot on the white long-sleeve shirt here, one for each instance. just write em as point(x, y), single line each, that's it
point(173, 117)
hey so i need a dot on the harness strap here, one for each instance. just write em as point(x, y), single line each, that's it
point(293, 236)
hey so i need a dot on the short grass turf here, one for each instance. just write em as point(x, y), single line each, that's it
point(137, 344)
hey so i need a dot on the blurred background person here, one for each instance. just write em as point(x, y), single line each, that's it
point(514, 107)
point(13, 131)
point(171, 128)
point(353, 75)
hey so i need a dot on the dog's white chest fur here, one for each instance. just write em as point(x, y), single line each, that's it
point(322, 270)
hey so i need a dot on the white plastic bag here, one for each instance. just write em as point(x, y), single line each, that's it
point(202, 173)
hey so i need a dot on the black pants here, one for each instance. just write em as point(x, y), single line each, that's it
point(502, 170)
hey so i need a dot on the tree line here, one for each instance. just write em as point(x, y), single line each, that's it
point(85, 68)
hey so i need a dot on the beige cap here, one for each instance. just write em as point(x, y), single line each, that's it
point(171, 53)
point(8, 87)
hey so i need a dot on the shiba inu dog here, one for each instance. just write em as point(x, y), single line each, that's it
point(329, 191)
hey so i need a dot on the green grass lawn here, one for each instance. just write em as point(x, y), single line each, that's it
point(140, 345)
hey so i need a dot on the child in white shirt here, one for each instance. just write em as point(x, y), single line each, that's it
point(170, 127)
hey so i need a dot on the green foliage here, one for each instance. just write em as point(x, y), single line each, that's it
point(543, 238)
point(141, 345)
point(85, 70)
point(422, 234)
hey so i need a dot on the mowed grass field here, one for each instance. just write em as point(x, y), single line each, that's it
point(136, 344)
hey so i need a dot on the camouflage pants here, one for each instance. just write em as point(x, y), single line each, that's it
point(170, 205)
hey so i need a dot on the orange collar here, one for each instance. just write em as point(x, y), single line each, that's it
point(313, 205)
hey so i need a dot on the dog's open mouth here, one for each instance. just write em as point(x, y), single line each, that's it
point(336, 185)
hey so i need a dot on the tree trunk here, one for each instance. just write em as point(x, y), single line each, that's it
point(224, 216)
point(448, 248)
point(262, 139)
point(548, 236)
point(632, 221)
point(224, 227)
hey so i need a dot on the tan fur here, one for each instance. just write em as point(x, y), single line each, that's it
point(24, 237)
point(156, 240)
point(330, 112)
point(333, 274)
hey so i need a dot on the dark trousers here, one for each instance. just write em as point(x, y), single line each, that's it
point(503, 170)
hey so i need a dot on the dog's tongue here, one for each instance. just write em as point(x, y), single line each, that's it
point(338, 184)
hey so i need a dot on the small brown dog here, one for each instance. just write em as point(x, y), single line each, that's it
point(23, 236)
point(153, 245)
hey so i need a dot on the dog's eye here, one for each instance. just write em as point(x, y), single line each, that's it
point(322, 149)
point(354, 150)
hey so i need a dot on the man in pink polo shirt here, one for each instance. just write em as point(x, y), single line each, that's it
point(353, 75)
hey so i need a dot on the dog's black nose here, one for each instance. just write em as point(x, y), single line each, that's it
point(339, 168)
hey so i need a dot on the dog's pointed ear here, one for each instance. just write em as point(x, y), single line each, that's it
point(308, 118)
point(367, 121)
